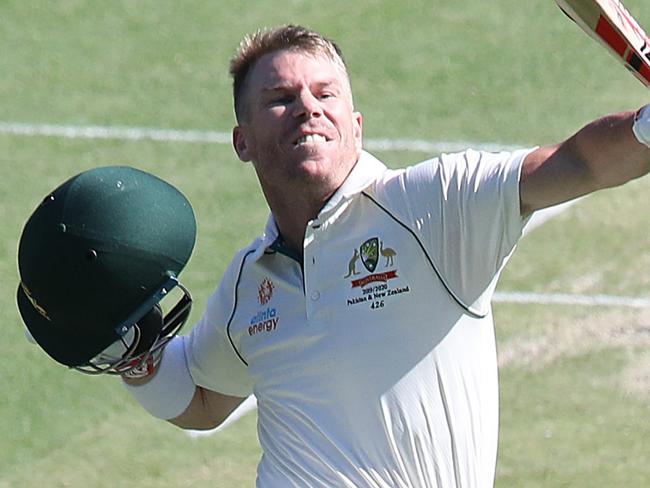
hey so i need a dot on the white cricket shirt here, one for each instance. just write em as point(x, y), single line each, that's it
point(374, 364)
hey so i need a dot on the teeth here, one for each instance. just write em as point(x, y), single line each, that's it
point(310, 138)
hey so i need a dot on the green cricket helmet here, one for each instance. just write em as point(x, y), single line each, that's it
point(96, 258)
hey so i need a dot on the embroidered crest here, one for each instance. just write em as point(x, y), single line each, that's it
point(370, 253)
point(378, 287)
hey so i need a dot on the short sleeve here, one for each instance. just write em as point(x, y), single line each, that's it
point(465, 208)
point(212, 359)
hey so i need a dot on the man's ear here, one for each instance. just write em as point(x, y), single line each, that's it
point(240, 144)
point(358, 130)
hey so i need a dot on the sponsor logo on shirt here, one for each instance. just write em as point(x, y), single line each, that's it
point(265, 291)
point(264, 320)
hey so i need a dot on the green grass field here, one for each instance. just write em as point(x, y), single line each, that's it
point(575, 380)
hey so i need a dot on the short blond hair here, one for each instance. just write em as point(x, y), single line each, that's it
point(265, 41)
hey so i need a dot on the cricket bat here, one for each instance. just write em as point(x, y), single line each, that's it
point(609, 23)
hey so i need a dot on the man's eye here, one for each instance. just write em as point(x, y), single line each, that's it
point(281, 100)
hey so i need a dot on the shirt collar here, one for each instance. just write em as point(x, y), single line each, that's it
point(363, 174)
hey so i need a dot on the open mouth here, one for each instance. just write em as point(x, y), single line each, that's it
point(310, 139)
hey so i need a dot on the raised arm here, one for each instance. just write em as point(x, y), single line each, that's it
point(603, 154)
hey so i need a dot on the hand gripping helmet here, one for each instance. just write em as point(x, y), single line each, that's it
point(96, 258)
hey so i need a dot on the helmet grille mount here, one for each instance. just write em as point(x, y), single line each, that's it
point(143, 339)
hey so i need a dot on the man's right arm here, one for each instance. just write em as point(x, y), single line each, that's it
point(169, 393)
point(207, 410)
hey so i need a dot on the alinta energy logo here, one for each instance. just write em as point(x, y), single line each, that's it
point(372, 253)
point(264, 320)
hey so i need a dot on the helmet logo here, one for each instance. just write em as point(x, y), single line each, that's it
point(34, 303)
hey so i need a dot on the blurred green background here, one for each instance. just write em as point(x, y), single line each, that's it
point(575, 380)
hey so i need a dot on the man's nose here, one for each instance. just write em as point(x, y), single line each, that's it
point(307, 105)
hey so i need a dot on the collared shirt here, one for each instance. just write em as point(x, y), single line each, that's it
point(373, 363)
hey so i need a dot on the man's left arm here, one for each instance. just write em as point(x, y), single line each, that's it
point(603, 154)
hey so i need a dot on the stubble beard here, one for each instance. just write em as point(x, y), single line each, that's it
point(311, 172)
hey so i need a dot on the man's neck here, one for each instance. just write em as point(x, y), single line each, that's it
point(292, 216)
point(293, 208)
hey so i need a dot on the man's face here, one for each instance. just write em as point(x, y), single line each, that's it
point(299, 128)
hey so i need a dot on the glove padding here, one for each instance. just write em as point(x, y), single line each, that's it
point(145, 362)
point(150, 326)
